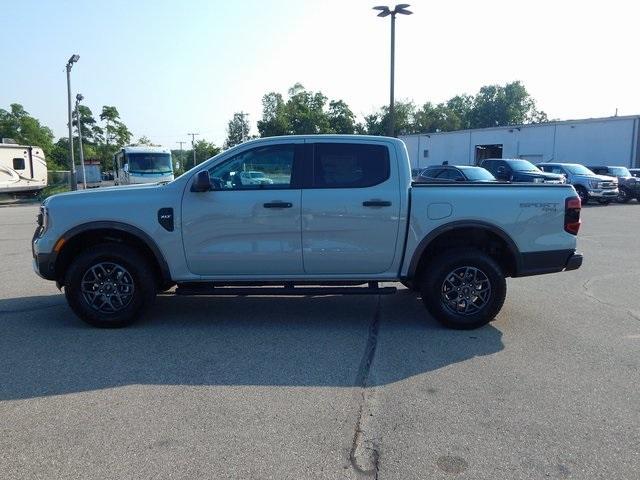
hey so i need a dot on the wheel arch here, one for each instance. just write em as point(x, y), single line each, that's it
point(484, 236)
point(85, 235)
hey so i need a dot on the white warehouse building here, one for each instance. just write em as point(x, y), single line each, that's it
point(593, 141)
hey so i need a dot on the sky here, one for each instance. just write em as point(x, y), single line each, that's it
point(186, 66)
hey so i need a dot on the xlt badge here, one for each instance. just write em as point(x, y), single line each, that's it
point(165, 218)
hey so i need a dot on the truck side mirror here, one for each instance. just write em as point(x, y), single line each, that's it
point(202, 182)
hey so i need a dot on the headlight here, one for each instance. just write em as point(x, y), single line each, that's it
point(593, 183)
point(538, 180)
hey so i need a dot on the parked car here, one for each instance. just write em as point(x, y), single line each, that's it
point(253, 177)
point(455, 173)
point(342, 211)
point(519, 170)
point(628, 185)
point(635, 172)
point(589, 186)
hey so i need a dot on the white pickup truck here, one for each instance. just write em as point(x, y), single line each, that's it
point(339, 215)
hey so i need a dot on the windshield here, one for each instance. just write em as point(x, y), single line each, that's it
point(578, 169)
point(620, 171)
point(477, 173)
point(523, 166)
point(150, 162)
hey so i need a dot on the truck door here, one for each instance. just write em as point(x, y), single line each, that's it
point(350, 212)
point(247, 228)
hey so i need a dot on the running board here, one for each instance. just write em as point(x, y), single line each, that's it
point(207, 289)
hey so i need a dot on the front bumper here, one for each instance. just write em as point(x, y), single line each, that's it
point(603, 193)
point(44, 266)
point(43, 263)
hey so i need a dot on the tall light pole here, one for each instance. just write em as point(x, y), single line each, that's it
point(385, 12)
point(79, 98)
point(193, 146)
point(73, 59)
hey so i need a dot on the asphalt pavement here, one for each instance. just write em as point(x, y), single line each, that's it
point(328, 387)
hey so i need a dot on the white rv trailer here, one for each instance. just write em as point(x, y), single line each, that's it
point(142, 165)
point(23, 168)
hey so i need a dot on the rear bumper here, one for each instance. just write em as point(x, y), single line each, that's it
point(553, 261)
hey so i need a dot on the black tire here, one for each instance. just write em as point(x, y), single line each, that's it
point(136, 288)
point(623, 196)
point(436, 285)
point(604, 201)
point(583, 194)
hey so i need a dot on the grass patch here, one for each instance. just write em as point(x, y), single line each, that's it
point(52, 190)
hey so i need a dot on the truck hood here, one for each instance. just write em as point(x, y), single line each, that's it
point(113, 190)
point(533, 174)
point(120, 195)
point(600, 178)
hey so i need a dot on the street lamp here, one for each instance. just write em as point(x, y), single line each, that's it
point(79, 98)
point(385, 12)
point(73, 59)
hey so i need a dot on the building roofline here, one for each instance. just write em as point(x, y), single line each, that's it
point(527, 125)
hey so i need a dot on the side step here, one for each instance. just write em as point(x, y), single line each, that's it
point(209, 289)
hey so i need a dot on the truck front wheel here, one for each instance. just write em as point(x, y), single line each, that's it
point(463, 289)
point(109, 285)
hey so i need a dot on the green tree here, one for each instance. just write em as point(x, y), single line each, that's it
point(305, 111)
point(91, 131)
point(274, 119)
point(377, 123)
point(204, 151)
point(16, 123)
point(495, 105)
point(237, 130)
point(145, 141)
point(341, 118)
point(115, 135)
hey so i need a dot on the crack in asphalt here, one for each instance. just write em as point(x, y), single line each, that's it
point(364, 455)
point(586, 290)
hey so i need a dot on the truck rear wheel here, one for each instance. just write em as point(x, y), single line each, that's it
point(463, 289)
point(109, 285)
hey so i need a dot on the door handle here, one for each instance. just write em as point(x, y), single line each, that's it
point(376, 203)
point(277, 205)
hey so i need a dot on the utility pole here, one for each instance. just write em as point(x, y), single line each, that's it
point(73, 59)
point(181, 156)
point(79, 98)
point(385, 12)
point(193, 146)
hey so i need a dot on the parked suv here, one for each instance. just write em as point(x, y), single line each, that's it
point(519, 170)
point(589, 186)
point(628, 185)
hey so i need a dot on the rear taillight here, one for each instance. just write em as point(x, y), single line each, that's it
point(572, 206)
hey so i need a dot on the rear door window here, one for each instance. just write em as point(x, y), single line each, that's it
point(349, 165)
